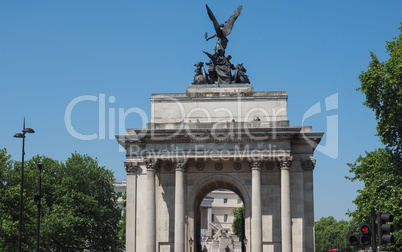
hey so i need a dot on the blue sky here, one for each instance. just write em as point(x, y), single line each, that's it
point(52, 52)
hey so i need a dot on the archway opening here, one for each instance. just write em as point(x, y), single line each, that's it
point(213, 209)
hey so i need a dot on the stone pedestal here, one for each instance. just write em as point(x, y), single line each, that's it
point(221, 245)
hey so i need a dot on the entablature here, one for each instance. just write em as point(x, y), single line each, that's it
point(143, 137)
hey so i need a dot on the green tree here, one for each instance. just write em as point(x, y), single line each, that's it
point(238, 222)
point(331, 234)
point(382, 85)
point(79, 209)
point(9, 198)
point(10, 172)
point(381, 170)
point(122, 224)
point(382, 189)
point(83, 213)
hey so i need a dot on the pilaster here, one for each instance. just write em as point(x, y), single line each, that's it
point(286, 213)
point(131, 205)
point(179, 212)
point(309, 240)
point(256, 213)
point(152, 165)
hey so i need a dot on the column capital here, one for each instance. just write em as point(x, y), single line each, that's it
point(152, 164)
point(255, 163)
point(308, 165)
point(131, 167)
point(180, 164)
point(284, 163)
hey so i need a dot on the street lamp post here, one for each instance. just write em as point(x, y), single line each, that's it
point(191, 243)
point(22, 135)
point(245, 243)
point(37, 199)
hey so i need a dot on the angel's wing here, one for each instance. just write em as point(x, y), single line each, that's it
point(229, 24)
point(214, 21)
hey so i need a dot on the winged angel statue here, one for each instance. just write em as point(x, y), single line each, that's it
point(222, 31)
point(220, 67)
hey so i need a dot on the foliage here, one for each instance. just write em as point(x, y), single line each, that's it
point(331, 234)
point(382, 189)
point(79, 208)
point(238, 222)
point(382, 85)
point(381, 170)
point(9, 198)
point(122, 224)
point(10, 172)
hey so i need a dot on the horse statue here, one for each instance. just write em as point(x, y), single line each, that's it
point(240, 75)
point(200, 74)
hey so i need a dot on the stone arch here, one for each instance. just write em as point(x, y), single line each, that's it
point(280, 200)
point(206, 185)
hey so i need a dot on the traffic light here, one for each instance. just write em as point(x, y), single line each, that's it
point(385, 229)
point(365, 234)
point(354, 239)
point(363, 238)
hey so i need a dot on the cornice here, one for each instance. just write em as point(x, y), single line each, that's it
point(227, 135)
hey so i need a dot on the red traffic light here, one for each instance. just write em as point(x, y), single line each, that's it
point(365, 237)
point(365, 229)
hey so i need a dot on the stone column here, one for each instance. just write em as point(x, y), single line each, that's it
point(286, 212)
point(209, 220)
point(256, 208)
point(308, 167)
point(179, 207)
point(150, 205)
point(131, 205)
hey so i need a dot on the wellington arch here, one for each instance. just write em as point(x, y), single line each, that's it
point(220, 137)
